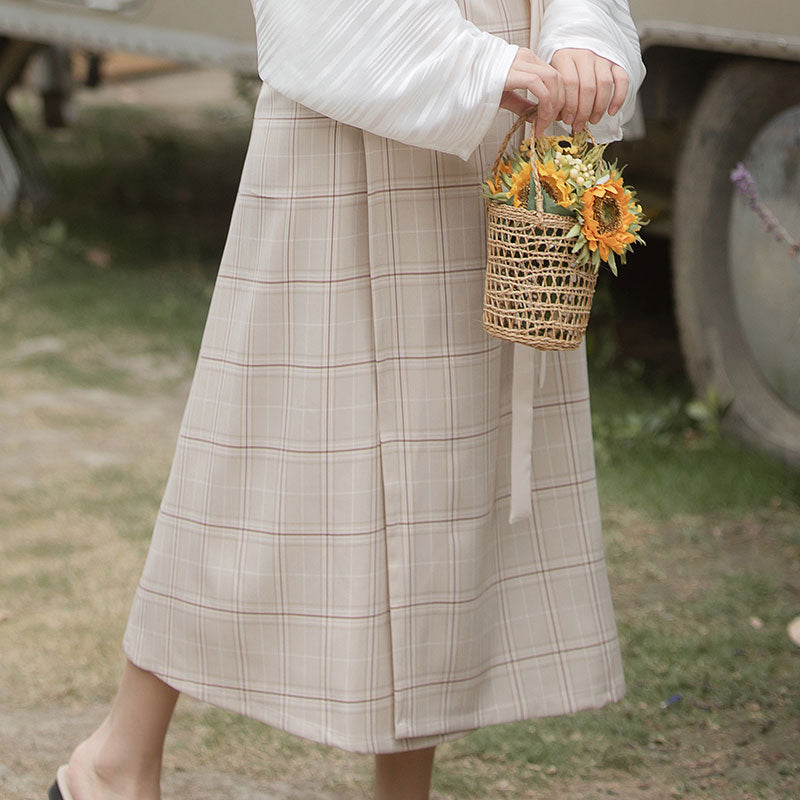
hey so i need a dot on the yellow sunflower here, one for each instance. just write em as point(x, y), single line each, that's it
point(563, 144)
point(554, 182)
point(505, 167)
point(520, 185)
point(607, 217)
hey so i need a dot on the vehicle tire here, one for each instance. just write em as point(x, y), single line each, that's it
point(10, 179)
point(724, 308)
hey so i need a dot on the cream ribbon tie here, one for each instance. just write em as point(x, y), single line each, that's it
point(522, 399)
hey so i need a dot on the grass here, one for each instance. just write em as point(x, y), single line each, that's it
point(651, 457)
point(99, 327)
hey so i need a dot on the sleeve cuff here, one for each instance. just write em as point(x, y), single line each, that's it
point(489, 76)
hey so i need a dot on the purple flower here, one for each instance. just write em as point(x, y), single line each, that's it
point(746, 185)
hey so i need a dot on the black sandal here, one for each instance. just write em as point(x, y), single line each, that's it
point(59, 791)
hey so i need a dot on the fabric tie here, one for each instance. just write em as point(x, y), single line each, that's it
point(522, 397)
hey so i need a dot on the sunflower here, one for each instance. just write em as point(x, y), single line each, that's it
point(563, 144)
point(607, 217)
point(554, 182)
point(520, 185)
point(505, 167)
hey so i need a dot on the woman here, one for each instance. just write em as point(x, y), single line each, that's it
point(345, 549)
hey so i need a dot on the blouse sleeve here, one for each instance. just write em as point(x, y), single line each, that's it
point(412, 70)
point(606, 28)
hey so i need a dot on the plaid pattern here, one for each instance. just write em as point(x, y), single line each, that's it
point(333, 554)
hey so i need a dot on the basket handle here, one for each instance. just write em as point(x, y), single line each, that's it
point(534, 172)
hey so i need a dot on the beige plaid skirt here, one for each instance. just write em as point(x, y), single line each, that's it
point(333, 554)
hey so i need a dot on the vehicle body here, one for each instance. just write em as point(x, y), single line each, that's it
point(207, 32)
point(198, 31)
point(723, 86)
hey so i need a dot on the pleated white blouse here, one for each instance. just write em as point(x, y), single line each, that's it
point(417, 71)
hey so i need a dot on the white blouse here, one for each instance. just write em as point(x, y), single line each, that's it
point(416, 70)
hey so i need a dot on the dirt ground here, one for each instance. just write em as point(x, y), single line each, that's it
point(31, 739)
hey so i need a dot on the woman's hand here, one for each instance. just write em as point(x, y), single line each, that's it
point(528, 71)
point(592, 86)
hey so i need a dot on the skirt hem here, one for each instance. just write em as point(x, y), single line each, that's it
point(326, 737)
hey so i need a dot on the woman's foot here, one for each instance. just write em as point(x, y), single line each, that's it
point(94, 772)
point(121, 760)
point(82, 781)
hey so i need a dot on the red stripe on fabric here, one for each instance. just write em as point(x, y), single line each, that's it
point(343, 364)
point(357, 449)
point(501, 582)
point(247, 613)
point(261, 531)
point(506, 662)
point(281, 693)
point(294, 198)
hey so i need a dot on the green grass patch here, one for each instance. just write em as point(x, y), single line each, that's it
point(42, 583)
point(127, 250)
point(42, 549)
point(652, 458)
point(56, 291)
point(125, 498)
point(128, 499)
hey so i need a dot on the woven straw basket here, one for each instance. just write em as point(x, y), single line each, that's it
point(535, 294)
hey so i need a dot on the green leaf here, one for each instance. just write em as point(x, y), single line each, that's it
point(612, 263)
point(531, 195)
point(551, 207)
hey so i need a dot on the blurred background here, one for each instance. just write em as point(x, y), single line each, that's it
point(123, 127)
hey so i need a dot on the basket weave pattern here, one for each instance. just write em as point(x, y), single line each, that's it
point(535, 293)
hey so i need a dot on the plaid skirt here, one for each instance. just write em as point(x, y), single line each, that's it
point(333, 554)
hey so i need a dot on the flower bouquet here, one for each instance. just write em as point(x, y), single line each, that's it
point(557, 210)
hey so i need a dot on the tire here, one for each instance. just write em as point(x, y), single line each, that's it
point(741, 100)
point(10, 179)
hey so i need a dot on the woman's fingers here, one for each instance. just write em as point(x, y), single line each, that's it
point(516, 103)
point(604, 83)
point(587, 91)
point(577, 87)
point(601, 86)
point(530, 73)
point(565, 66)
point(544, 112)
point(621, 83)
